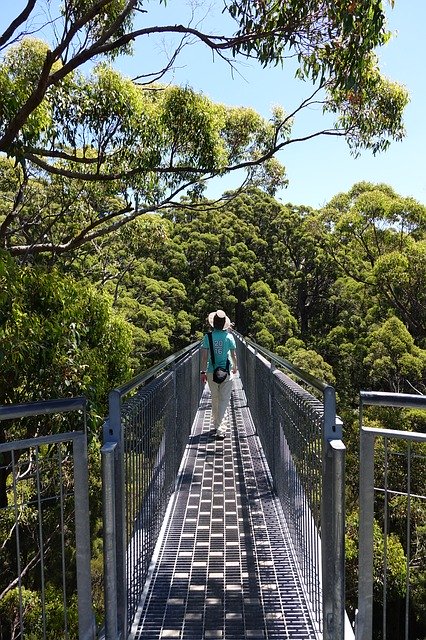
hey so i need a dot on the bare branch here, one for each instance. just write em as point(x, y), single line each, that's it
point(109, 177)
point(32, 152)
point(32, 103)
point(35, 560)
point(100, 227)
point(17, 205)
point(157, 75)
point(23, 16)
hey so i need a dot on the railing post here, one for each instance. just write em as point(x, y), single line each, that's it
point(108, 452)
point(114, 433)
point(175, 423)
point(86, 619)
point(272, 421)
point(364, 621)
point(332, 519)
point(339, 452)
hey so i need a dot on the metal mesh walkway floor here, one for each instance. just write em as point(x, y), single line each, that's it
point(224, 566)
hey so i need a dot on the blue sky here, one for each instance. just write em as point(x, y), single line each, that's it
point(318, 169)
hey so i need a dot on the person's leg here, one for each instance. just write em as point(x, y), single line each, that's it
point(225, 390)
point(214, 391)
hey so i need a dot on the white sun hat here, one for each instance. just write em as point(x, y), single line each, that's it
point(220, 314)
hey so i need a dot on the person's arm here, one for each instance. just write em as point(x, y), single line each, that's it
point(233, 353)
point(203, 364)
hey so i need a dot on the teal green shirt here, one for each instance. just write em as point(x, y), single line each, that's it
point(223, 343)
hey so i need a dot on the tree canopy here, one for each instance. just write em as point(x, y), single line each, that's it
point(338, 292)
point(69, 122)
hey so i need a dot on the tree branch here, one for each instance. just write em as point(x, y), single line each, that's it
point(102, 47)
point(23, 16)
point(93, 230)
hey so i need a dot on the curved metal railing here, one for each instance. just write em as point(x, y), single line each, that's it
point(150, 419)
point(302, 440)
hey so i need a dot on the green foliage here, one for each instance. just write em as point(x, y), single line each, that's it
point(399, 276)
point(271, 320)
point(396, 565)
point(32, 614)
point(19, 75)
point(338, 292)
point(307, 360)
point(393, 358)
point(376, 239)
point(96, 23)
point(341, 36)
point(144, 145)
point(125, 151)
point(58, 337)
point(373, 94)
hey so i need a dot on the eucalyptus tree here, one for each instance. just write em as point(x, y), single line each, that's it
point(372, 219)
point(59, 337)
point(376, 340)
point(271, 322)
point(394, 362)
point(290, 250)
point(400, 278)
point(377, 239)
point(65, 121)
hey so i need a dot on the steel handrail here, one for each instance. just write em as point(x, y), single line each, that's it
point(43, 407)
point(368, 435)
point(147, 374)
point(314, 382)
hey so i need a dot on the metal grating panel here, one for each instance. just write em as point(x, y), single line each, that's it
point(225, 567)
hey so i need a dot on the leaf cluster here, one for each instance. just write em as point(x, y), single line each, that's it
point(64, 111)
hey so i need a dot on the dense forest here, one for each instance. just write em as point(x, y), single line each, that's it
point(338, 291)
point(111, 256)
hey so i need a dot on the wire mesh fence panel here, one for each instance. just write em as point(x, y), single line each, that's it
point(401, 503)
point(43, 515)
point(298, 419)
point(150, 422)
point(392, 516)
point(148, 425)
point(290, 424)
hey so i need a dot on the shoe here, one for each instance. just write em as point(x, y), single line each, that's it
point(220, 433)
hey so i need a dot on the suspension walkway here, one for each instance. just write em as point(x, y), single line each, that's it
point(202, 538)
point(225, 565)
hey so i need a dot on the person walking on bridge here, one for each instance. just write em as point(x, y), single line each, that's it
point(218, 366)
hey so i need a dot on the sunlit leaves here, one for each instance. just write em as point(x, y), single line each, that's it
point(271, 320)
point(19, 77)
point(331, 39)
point(400, 276)
point(333, 42)
point(372, 219)
point(396, 563)
point(393, 361)
point(192, 126)
point(371, 110)
point(128, 127)
point(60, 115)
point(58, 337)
